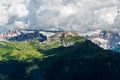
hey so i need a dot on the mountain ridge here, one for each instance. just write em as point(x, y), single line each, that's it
point(103, 38)
point(35, 60)
point(106, 39)
point(22, 36)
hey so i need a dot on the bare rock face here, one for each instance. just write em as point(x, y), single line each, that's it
point(9, 34)
point(106, 39)
point(19, 35)
point(29, 36)
point(60, 35)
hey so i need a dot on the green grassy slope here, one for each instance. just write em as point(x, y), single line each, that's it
point(18, 51)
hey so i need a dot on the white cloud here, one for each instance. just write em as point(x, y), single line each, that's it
point(20, 24)
point(18, 9)
point(77, 15)
point(12, 10)
point(3, 16)
point(108, 14)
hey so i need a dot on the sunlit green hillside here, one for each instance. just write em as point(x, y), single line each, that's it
point(18, 51)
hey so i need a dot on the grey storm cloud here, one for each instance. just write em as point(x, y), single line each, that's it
point(68, 15)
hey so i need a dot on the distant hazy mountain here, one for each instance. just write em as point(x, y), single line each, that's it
point(19, 35)
point(10, 34)
point(106, 39)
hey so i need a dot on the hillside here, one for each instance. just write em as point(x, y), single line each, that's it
point(35, 60)
point(18, 51)
point(86, 61)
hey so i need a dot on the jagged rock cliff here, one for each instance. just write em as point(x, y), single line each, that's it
point(19, 35)
point(66, 38)
point(106, 39)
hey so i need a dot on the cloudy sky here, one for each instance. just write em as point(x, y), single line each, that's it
point(69, 15)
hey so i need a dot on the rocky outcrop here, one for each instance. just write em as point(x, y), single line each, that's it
point(105, 39)
point(29, 36)
point(61, 36)
point(19, 35)
point(10, 34)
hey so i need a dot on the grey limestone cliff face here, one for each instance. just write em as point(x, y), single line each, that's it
point(105, 39)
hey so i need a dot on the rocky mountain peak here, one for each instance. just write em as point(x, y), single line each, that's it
point(19, 35)
point(60, 35)
point(106, 39)
point(10, 33)
point(66, 38)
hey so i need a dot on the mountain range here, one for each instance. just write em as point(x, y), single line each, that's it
point(103, 38)
point(54, 60)
point(22, 36)
point(106, 39)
